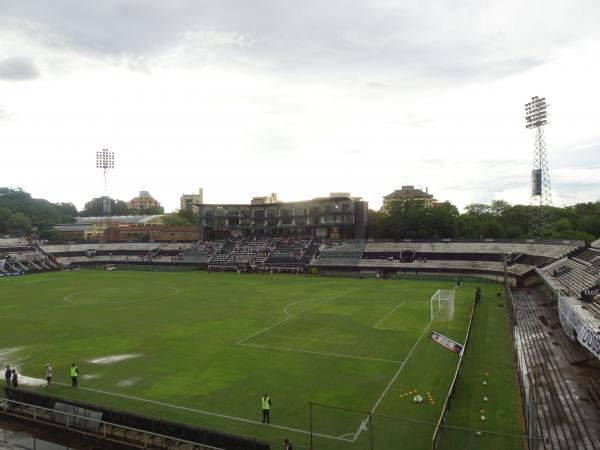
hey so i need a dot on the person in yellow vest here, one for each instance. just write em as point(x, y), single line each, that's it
point(265, 402)
point(74, 375)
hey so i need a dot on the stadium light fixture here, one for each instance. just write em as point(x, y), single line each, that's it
point(536, 114)
point(105, 159)
point(536, 117)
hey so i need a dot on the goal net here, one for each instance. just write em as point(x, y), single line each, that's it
point(442, 305)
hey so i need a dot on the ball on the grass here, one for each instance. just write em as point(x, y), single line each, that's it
point(483, 418)
point(484, 383)
point(478, 433)
point(485, 399)
point(418, 399)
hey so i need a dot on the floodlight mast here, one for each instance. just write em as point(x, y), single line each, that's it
point(536, 117)
point(105, 160)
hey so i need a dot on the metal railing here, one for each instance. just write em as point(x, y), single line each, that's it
point(105, 430)
point(444, 415)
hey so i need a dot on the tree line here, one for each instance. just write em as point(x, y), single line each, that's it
point(497, 219)
point(20, 214)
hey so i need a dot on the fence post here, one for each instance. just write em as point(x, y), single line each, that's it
point(311, 424)
point(371, 428)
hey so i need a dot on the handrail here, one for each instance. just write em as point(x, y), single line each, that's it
point(6, 403)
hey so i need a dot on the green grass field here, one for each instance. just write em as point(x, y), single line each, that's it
point(202, 348)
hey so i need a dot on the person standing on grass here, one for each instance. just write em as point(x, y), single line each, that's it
point(49, 372)
point(287, 445)
point(266, 408)
point(74, 375)
point(499, 292)
point(477, 295)
point(8, 375)
point(15, 379)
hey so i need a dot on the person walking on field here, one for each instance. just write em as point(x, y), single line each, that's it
point(74, 375)
point(8, 375)
point(287, 445)
point(266, 407)
point(49, 372)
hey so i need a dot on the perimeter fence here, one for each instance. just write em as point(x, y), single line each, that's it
point(335, 428)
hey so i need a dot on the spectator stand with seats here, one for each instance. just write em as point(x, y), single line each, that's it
point(578, 275)
point(91, 254)
point(18, 256)
point(264, 254)
point(483, 259)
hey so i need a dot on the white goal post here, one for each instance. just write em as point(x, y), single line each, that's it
point(442, 304)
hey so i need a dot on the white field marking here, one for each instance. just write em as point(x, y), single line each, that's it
point(128, 382)
point(208, 413)
point(404, 330)
point(342, 436)
point(389, 314)
point(337, 355)
point(293, 315)
point(7, 351)
point(295, 303)
point(68, 298)
point(90, 376)
point(114, 358)
point(362, 425)
point(29, 381)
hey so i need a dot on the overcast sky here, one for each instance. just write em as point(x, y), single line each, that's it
point(301, 98)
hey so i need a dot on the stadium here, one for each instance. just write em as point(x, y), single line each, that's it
point(359, 343)
point(327, 225)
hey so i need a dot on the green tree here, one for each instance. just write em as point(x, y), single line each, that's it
point(95, 208)
point(178, 219)
point(41, 215)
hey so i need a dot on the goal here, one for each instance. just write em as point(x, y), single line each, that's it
point(442, 304)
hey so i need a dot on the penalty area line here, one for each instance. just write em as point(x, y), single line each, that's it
point(337, 355)
point(389, 314)
point(293, 315)
point(208, 413)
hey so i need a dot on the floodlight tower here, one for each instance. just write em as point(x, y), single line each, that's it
point(536, 116)
point(105, 160)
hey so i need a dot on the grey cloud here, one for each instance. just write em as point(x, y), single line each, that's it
point(16, 69)
point(438, 41)
point(582, 156)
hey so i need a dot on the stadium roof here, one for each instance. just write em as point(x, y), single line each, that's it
point(120, 219)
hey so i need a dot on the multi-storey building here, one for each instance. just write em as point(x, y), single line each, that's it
point(406, 193)
point(191, 201)
point(333, 217)
point(143, 201)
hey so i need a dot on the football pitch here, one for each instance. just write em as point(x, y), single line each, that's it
point(202, 348)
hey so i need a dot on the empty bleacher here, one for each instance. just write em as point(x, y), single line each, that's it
point(544, 250)
point(564, 394)
point(20, 256)
point(340, 253)
point(202, 252)
point(101, 253)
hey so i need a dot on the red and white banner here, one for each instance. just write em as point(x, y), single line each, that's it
point(446, 342)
